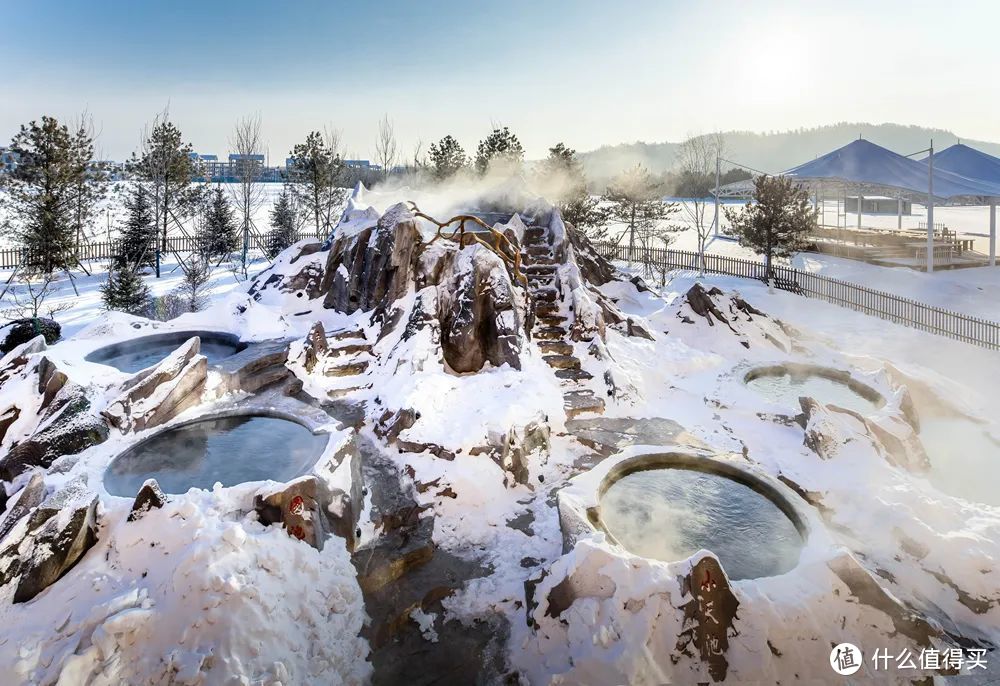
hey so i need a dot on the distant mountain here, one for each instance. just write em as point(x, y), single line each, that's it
point(774, 152)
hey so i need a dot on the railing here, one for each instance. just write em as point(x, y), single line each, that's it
point(888, 306)
point(11, 258)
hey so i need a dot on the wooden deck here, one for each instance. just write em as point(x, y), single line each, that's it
point(890, 248)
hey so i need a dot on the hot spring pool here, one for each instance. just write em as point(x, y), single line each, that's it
point(139, 353)
point(670, 513)
point(230, 450)
point(785, 388)
point(965, 460)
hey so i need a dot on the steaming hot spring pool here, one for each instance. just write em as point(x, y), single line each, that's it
point(140, 353)
point(965, 459)
point(671, 513)
point(785, 387)
point(229, 450)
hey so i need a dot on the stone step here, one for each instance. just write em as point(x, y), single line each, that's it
point(342, 392)
point(542, 250)
point(556, 347)
point(544, 308)
point(573, 374)
point(550, 333)
point(562, 361)
point(535, 232)
point(346, 334)
point(548, 294)
point(349, 369)
point(536, 268)
point(580, 402)
point(351, 349)
point(540, 278)
point(552, 320)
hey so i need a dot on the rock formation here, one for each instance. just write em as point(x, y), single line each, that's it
point(154, 397)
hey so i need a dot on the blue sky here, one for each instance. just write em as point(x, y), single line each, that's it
point(587, 73)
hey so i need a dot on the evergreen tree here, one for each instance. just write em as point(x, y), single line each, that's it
point(284, 222)
point(778, 220)
point(167, 166)
point(137, 246)
point(635, 200)
point(219, 234)
point(315, 171)
point(501, 148)
point(125, 291)
point(43, 191)
point(448, 158)
point(566, 184)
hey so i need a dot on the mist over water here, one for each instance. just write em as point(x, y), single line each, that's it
point(965, 460)
point(670, 514)
point(231, 451)
point(786, 390)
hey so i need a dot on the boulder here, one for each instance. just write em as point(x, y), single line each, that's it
point(24, 330)
point(518, 445)
point(369, 269)
point(68, 428)
point(302, 507)
point(481, 316)
point(28, 498)
point(173, 386)
point(708, 615)
point(315, 346)
point(150, 496)
point(59, 531)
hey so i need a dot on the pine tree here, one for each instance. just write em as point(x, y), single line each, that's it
point(448, 158)
point(284, 222)
point(218, 233)
point(778, 220)
point(315, 171)
point(502, 149)
point(167, 166)
point(138, 239)
point(43, 192)
point(125, 291)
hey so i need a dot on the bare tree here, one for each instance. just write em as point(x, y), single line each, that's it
point(696, 161)
point(248, 191)
point(386, 150)
point(30, 301)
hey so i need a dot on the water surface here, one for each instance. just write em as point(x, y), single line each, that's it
point(669, 514)
point(231, 451)
point(786, 389)
point(133, 356)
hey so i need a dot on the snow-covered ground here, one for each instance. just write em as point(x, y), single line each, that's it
point(196, 585)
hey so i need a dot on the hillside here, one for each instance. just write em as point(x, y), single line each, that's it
point(775, 151)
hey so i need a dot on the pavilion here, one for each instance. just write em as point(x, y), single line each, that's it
point(869, 169)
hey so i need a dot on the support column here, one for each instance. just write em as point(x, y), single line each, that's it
point(930, 209)
point(861, 204)
point(993, 232)
point(899, 213)
point(718, 165)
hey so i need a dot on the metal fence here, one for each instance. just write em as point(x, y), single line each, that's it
point(11, 258)
point(888, 306)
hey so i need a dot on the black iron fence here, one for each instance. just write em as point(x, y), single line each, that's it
point(11, 258)
point(888, 306)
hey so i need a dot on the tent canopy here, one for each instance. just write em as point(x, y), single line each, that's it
point(968, 162)
point(873, 170)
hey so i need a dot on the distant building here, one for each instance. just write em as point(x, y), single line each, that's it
point(230, 170)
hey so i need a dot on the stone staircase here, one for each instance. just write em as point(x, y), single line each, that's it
point(551, 331)
point(348, 356)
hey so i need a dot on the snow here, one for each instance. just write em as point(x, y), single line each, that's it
point(200, 590)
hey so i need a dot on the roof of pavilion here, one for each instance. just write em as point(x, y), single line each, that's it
point(870, 169)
